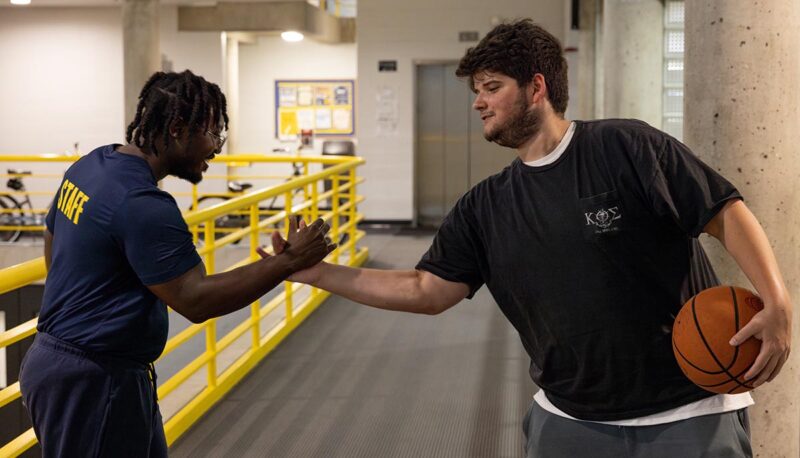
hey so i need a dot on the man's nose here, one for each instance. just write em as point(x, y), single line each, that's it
point(479, 103)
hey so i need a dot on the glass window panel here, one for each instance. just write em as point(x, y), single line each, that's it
point(674, 127)
point(673, 71)
point(674, 14)
point(673, 101)
point(674, 41)
point(674, 17)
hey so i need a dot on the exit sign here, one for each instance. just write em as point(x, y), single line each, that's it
point(471, 35)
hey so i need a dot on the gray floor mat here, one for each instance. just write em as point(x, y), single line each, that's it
point(353, 381)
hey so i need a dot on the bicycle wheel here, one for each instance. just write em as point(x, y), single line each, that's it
point(223, 222)
point(11, 215)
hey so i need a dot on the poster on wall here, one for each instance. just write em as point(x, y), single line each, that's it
point(326, 106)
point(386, 112)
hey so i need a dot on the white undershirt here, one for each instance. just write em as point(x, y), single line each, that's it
point(720, 403)
point(553, 156)
point(713, 405)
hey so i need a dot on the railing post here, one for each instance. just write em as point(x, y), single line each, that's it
point(314, 201)
point(352, 219)
point(335, 217)
point(306, 192)
point(211, 349)
point(314, 216)
point(211, 325)
point(254, 231)
point(195, 230)
point(255, 307)
point(288, 285)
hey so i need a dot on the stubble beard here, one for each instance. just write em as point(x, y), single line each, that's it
point(523, 124)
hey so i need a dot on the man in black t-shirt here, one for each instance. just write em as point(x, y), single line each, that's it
point(588, 243)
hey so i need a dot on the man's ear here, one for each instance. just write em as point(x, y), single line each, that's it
point(537, 88)
point(176, 128)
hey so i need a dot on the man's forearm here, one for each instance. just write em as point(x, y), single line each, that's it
point(744, 238)
point(226, 292)
point(386, 289)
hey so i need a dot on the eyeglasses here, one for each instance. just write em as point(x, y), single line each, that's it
point(218, 139)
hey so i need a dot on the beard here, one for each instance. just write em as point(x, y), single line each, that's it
point(523, 124)
point(185, 167)
point(189, 175)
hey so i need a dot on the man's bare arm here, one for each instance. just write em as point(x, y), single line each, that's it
point(198, 296)
point(415, 291)
point(744, 238)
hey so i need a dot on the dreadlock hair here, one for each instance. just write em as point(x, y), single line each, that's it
point(169, 97)
point(520, 49)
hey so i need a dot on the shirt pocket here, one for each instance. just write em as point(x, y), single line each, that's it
point(602, 216)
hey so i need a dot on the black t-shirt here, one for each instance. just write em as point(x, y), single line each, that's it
point(590, 258)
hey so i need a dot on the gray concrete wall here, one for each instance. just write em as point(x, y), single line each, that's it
point(141, 51)
point(633, 37)
point(741, 111)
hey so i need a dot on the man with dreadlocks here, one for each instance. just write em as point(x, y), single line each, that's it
point(587, 241)
point(118, 250)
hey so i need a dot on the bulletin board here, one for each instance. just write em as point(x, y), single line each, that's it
point(326, 106)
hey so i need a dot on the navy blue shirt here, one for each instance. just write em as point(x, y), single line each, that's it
point(114, 232)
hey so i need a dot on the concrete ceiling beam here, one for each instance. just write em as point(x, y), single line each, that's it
point(267, 17)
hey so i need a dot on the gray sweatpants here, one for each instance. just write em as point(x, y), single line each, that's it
point(551, 436)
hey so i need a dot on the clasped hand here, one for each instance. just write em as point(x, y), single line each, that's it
point(305, 246)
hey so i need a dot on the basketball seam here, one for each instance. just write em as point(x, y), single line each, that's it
point(708, 347)
point(689, 362)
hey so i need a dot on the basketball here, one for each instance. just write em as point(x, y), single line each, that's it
point(701, 336)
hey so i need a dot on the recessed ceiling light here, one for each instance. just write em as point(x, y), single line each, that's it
point(20, 2)
point(292, 36)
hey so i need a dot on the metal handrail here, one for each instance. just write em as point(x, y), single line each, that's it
point(18, 217)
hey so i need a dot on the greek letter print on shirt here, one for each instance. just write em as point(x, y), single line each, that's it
point(602, 213)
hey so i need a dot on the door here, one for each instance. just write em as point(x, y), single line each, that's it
point(451, 153)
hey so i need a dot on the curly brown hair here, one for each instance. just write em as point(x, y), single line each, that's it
point(521, 49)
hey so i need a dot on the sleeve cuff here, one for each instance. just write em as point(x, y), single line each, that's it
point(712, 212)
point(444, 275)
point(186, 264)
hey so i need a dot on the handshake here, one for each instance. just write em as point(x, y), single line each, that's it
point(305, 247)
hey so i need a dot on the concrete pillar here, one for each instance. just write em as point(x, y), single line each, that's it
point(141, 48)
point(231, 78)
point(633, 37)
point(741, 110)
point(586, 60)
point(599, 72)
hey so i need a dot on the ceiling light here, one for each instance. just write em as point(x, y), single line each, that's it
point(292, 36)
point(20, 2)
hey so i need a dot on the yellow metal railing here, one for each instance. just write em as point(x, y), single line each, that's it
point(285, 311)
point(28, 218)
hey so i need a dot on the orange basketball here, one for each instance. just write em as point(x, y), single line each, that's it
point(701, 336)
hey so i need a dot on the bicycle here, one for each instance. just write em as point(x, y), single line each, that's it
point(17, 214)
point(236, 221)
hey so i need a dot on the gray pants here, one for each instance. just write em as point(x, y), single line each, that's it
point(722, 435)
